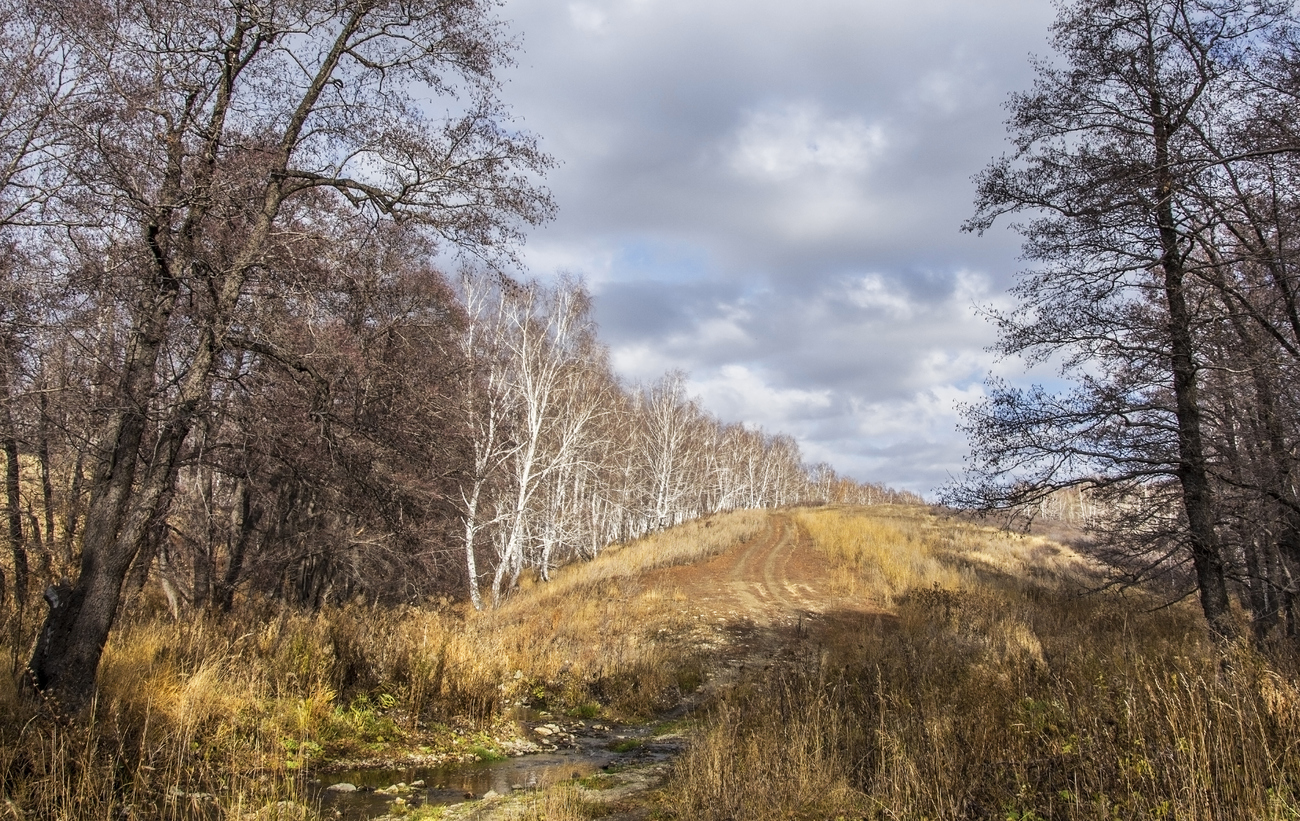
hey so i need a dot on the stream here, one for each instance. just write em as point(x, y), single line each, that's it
point(577, 750)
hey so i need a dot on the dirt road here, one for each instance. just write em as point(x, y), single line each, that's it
point(777, 579)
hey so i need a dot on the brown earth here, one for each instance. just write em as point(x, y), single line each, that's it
point(779, 578)
point(765, 601)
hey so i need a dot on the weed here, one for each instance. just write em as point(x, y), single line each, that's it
point(598, 781)
point(486, 754)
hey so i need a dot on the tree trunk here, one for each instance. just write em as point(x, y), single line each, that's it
point(1193, 473)
point(13, 500)
point(224, 598)
point(81, 613)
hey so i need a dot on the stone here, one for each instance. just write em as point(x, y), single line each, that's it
point(342, 786)
point(490, 794)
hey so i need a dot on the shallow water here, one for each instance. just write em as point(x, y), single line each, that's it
point(454, 783)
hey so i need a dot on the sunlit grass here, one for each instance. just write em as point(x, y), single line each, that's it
point(238, 710)
point(998, 687)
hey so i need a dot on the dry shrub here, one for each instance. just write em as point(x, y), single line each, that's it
point(777, 747)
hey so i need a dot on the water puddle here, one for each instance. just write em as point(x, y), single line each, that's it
point(587, 748)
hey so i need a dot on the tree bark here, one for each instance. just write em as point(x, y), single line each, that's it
point(1192, 471)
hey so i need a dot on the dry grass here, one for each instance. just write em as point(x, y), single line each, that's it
point(221, 718)
point(992, 689)
point(1001, 693)
point(883, 552)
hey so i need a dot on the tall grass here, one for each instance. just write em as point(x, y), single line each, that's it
point(224, 717)
point(999, 692)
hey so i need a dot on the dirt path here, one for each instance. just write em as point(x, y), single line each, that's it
point(761, 603)
point(779, 579)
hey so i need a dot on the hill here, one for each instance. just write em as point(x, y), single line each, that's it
point(882, 662)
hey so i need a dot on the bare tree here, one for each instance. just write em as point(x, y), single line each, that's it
point(1117, 146)
point(206, 135)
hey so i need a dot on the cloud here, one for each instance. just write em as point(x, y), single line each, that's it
point(797, 140)
point(872, 293)
point(587, 18)
point(739, 392)
point(768, 195)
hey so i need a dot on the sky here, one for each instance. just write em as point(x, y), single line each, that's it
point(768, 196)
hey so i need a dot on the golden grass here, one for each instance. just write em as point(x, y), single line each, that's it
point(225, 717)
point(991, 688)
point(883, 552)
point(1001, 692)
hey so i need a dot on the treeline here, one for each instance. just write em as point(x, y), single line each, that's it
point(411, 440)
point(229, 362)
point(1156, 167)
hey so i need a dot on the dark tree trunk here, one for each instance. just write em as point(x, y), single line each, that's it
point(1193, 472)
point(72, 511)
point(13, 501)
point(247, 521)
point(43, 458)
point(81, 614)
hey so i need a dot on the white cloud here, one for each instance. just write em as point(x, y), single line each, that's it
point(790, 142)
point(587, 18)
point(873, 293)
point(740, 392)
point(768, 195)
point(641, 363)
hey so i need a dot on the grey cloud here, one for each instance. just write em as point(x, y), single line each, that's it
point(729, 166)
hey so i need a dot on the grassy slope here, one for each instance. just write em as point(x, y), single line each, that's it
point(241, 707)
point(990, 689)
point(1000, 691)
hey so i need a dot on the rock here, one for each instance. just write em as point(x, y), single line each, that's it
point(418, 785)
point(517, 787)
point(342, 786)
point(543, 730)
point(490, 794)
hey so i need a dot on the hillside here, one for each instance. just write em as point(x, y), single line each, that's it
point(810, 663)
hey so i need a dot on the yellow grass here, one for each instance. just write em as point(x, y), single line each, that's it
point(997, 687)
point(243, 708)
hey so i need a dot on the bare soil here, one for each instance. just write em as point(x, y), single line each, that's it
point(765, 601)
